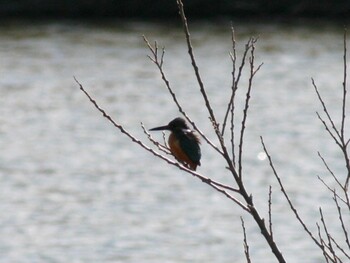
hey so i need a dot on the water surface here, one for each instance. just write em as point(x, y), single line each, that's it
point(74, 189)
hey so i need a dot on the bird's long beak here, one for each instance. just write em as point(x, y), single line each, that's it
point(161, 128)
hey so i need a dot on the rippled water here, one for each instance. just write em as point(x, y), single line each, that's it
point(74, 189)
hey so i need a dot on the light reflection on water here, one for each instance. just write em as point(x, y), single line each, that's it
point(73, 189)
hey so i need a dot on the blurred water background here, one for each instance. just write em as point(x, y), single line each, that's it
point(74, 189)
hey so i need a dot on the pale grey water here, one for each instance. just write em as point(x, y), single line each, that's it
point(73, 189)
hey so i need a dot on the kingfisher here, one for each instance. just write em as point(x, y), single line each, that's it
point(183, 143)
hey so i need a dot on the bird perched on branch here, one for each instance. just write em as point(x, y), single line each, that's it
point(183, 143)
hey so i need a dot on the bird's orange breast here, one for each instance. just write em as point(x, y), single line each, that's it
point(179, 154)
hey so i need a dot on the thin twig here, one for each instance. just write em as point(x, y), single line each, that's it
point(328, 236)
point(336, 140)
point(322, 242)
point(330, 189)
point(295, 211)
point(193, 60)
point(340, 249)
point(327, 113)
point(245, 242)
point(164, 140)
point(342, 132)
point(161, 147)
point(235, 79)
point(344, 86)
point(345, 232)
point(233, 56)
point(329, 170)
point(245, 111)
point(231, 105)
point(270, 213)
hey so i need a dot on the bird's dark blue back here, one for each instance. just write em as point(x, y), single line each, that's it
point(189, 143)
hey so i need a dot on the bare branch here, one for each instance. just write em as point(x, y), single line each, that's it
point(231, 106)
point(235, 79)
point(330, 189)
point(329, 131)
point(245, 242)
point(194, 63)
point(330, 171)
point(327, 113)
point(339, 248)
point(328, 236)
point(212, 117)
point(344, 86)
point(164, 140)
point(245, 111)
point(342, 132)
point(345, 232)
point(161, 147)
point(322, 242)
point(295, 211)
point(224, 151)
point(270, 213)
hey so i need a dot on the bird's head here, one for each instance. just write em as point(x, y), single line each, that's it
point(175, 124)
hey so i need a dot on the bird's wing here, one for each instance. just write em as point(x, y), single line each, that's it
point(190, 145)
